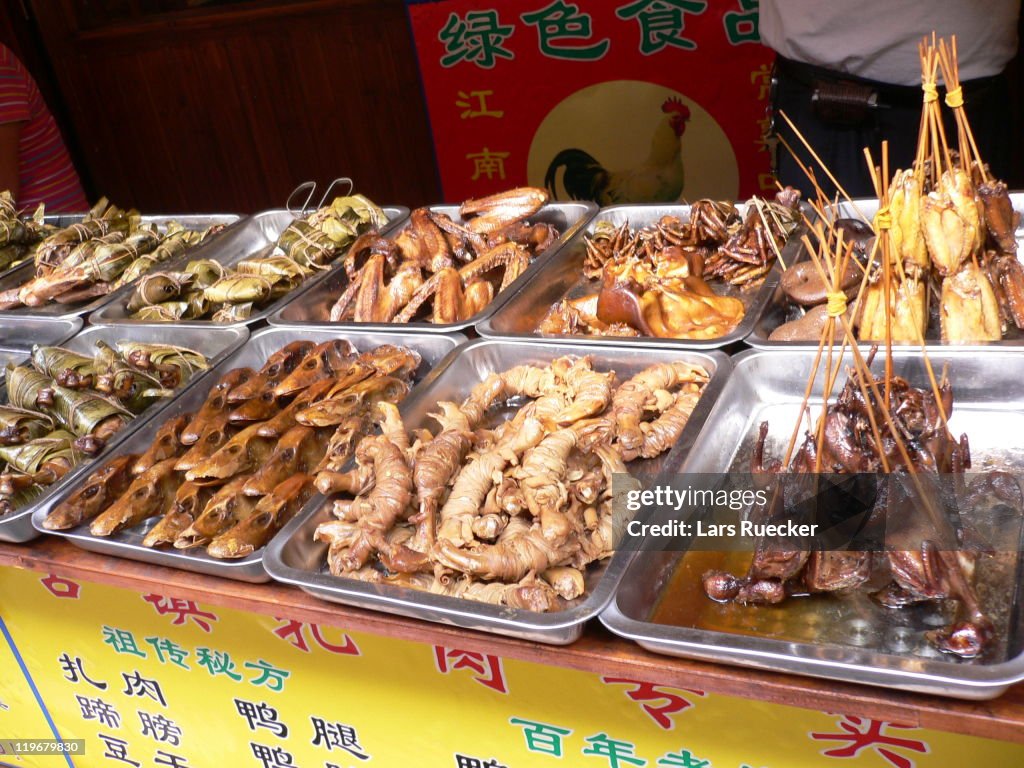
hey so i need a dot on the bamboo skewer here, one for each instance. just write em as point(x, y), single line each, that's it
point(771, 237)
point(817, 159)
point(831, 258)
point(954, 100)
point(830, 265)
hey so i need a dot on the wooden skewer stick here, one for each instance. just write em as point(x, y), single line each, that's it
point(820, 212)
point(842, 349)
point(936, 132)
point(922, 131)
point(769, 234)
point(831, 367)
point(886, 274)
point(810, 382)
point(951, 74)
point(819, 161)
point(837, 254)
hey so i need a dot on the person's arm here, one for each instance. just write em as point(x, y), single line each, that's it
point(10, 133)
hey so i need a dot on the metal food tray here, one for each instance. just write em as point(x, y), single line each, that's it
point(17, 526)
point(24, 332)
point(18, 335)
point(253, 353)
point(313, 306)
point(294, 558)
point(775, 310)
point(256, 234)
point(562, 277)
point(52, 309)
point(10, 355)
point(769, 385)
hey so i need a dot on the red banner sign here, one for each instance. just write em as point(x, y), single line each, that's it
point(627, 101)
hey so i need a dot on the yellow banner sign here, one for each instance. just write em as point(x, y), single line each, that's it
point(158, 680)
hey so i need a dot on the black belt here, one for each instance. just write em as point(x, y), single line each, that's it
point(887, 94)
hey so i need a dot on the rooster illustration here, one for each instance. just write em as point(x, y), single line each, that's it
point(659, 179)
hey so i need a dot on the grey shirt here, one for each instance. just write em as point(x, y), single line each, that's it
point(878, 40)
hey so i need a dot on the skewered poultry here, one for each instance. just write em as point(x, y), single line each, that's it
point(205, 289)
point(889, 440)
point(229, 475)
point(952, 228)
point(109, 248)
point(509, 513)
point(919, 532)
point(60, 409)
point(654, 281)
point(439, 270)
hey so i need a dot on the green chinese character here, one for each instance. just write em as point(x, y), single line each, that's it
point(122, 641)
point(683, 759)
point(270, 676)
point(661, 22)
point(562, 21)
point(476, 39)
point(618, 752)
point(217, 663)
point(741, 25)
point(168, 651)
point(541, 737)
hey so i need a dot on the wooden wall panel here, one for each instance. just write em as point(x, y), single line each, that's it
point(230, 110)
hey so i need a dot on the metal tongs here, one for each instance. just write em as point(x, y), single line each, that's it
point(311, 187)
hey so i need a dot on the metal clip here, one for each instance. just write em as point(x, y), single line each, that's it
point(311, 186)
point(333, 184)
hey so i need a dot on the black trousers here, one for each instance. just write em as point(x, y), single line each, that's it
point(897, 119)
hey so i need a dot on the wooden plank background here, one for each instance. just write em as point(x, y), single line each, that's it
point(229, 108)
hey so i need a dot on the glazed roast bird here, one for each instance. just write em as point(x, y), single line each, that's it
point(658, 179)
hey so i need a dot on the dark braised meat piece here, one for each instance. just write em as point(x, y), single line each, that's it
point(928, 555)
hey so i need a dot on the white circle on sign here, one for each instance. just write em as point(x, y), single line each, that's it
point(630, 148)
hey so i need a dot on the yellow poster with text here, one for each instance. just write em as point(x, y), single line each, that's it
point(158, 680)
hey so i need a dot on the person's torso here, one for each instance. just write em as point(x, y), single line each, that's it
point(878, 40)
point(45, 171)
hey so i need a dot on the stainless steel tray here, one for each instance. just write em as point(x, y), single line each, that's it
point(253, 353)
point(17, 526)
point(17, 335)
point(10, 355)
point(257, 233)
point(769, 385)
point(562, 277)
point(294, 558)
point(23, 332)
point(52, 309)
point(775, 309)
point(313, 306)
